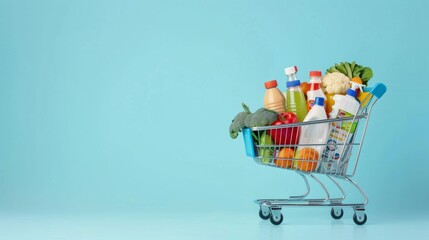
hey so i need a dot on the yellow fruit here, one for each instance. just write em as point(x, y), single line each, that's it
point(364, 98)
point(329, 102)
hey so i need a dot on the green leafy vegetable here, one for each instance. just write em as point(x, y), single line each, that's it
point(352, 70)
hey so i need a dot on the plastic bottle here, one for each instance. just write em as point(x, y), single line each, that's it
point(340, 132)
point(295, 100)
point(315, 89)
point(274, 99)
point(291, 73)
point(345, 106)
point(315, 133)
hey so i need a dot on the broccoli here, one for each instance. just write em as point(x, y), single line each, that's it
point(262, 117)
point(238, 122)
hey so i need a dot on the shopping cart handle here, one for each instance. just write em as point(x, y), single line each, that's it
point(248, 142)
point(377, 90)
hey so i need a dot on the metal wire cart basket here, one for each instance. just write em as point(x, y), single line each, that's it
point(337, 160)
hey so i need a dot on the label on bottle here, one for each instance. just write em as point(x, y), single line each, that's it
point(310, 104)
point(348, 126)
point(340, 133)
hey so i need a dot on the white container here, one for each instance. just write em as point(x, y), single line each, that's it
point(315, 89)
point(345, 106)
point(315, 133)
point(339, 132)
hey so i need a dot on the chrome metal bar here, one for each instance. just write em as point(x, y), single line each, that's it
point(306, 185)
point(343, 193)
point(360, 190)
point(323, 186)
point(362, 138)
point(291, 125)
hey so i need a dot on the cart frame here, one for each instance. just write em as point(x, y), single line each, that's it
point(271, 208)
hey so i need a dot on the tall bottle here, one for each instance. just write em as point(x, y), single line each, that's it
point(313, 134)
point(274, 99)
point(295, 99)
point(315, 89)
point(340, 133)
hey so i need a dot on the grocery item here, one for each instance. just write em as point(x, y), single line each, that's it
point(295, 100)
point(364, 98)
point(274, 98)
point(336, 83)
point(315, 89)
point(345, 106)
point(262, 117)
point(285, 158)
point(285, 136)
point(238, 122)
point(305, 87)
point(329, 102)
point(314, 133)
point(308, 160)
point(291, 73)
point(339, 132)
point(265, 152)
point(352, 70)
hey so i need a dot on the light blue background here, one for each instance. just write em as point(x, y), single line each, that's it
point(123, 107)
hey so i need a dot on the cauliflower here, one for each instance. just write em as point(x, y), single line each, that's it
point(335, 83)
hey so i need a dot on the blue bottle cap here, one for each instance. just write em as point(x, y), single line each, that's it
point(293, 83)
point(351, 92)
point(319, 101)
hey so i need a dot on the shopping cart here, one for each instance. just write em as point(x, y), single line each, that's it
point(344, 140)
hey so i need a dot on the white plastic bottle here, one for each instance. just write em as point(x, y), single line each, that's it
point(340, 132)
point(315, 133)
point(345, 106)
point(315, 89)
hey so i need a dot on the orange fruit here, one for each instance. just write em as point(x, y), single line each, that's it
point(287, 155)
point(305, 87)
point(310, 156)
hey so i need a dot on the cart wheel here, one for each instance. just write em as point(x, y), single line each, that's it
point(276, 219)
point(337, 213)
point(361, 220)
point(264, 215)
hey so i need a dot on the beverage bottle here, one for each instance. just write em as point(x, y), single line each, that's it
point(315, 89)
point(291, 73)
point(315, 133)
point(295, 100)
point(274, 99)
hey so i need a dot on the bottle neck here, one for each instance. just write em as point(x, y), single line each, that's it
point(315, 80)
point(292, 77)
point(314, 86)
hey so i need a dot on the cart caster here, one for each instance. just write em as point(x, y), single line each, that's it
point(265, 213)
point(337, 212)
point(360, 217)
point(276, 216)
